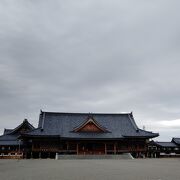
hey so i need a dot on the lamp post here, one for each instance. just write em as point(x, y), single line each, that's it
point(19, 146)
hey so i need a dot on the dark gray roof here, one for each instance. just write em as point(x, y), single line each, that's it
point(10, 136)
point(165, 144)
point(7, 131)
point(9, 140)
point(62, 124)
point(10, 143)
point(25, 123)
point(176, 140)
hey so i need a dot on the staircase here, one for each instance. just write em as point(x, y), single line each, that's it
point(119, 156)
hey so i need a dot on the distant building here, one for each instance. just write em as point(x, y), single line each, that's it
point(164, 149)
point(85, 134)
point(10, 144)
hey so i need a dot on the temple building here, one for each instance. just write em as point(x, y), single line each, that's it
point(85, 134)
point(164, 149)
point(10, 144)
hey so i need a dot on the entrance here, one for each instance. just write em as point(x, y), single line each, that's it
point(91, 148)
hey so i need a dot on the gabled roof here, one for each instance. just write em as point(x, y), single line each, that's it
point(176, 140)
point(24, 124)
point(90, 125)
point(61, 124)
point(10, 136)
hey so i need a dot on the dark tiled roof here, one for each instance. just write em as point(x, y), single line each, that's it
point(165, 144)
point(9, 140)
point(176, 140)
point(62, 124)
point(7, 131)
point(25, 123)
point(10, 136)
point(10, 143)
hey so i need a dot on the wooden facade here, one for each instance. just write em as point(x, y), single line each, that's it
point(88, 147)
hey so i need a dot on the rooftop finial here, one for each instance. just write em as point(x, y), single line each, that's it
point(42, 127)
point(90, 115)
point(25, 120)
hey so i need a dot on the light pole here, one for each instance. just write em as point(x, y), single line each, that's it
point(19, 147)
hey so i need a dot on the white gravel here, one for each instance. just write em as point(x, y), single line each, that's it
point(137, 169)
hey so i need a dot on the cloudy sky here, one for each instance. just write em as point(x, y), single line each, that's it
point(91, 56)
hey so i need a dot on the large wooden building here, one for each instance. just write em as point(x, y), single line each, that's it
point(85, 134)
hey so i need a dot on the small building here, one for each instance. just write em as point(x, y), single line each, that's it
point(176, 141)
point(164, 149)
point(86, 134)
point(11, 147)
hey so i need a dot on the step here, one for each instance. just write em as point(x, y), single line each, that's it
point(119, 156)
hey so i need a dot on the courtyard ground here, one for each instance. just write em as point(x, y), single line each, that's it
point(46, 169)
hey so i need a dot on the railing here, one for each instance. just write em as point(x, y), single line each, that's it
point(45, 149)
point(11, 155)
point(103, 151)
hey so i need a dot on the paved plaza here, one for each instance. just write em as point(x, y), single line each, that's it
point(46, 169)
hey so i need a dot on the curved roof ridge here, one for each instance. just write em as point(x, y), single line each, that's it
point(175, 137)
point(133, 121)
point(25, 121)
point(86, 113)
point(7, 131)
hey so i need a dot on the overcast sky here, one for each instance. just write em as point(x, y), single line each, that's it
point(91, 56)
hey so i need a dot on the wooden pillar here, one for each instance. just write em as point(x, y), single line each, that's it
point(105, 148)
point(77, 148)
point(114, 148)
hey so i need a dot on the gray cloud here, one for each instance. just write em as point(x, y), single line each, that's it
point(90, 56)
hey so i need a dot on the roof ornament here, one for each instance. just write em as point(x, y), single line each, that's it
point(42, 127)
point(90, 115)
point(25, 120)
